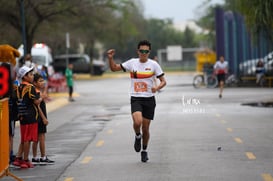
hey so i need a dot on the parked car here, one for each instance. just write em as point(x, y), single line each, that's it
point(269, 68)
point(248, 68)
point(268, 59)
point(81, 62)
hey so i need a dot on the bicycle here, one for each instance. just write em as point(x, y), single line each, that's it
point(205, 80)
point(231, 80)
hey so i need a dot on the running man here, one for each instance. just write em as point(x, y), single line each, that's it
point(221, 69)
point(142, 71)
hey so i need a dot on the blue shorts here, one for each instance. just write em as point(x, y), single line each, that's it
point(146, 105)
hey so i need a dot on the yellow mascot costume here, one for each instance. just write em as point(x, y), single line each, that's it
point(8, 54)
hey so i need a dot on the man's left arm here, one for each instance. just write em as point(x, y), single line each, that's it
point(161, 84)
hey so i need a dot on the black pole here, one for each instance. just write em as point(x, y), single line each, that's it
point(23, 26)
point(220, 32)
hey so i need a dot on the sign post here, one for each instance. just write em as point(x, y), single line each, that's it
point(67, 42)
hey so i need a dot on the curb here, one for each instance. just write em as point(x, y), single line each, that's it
point(59, 100)
point(56, 104)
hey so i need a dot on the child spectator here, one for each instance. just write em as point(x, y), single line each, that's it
point(42, 123)
point(70, 81)
point(27, 99)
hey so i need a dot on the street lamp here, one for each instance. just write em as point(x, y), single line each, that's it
point(22, 11)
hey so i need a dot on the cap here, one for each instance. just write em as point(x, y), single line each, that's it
point(24, 70)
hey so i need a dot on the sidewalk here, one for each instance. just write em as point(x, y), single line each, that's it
point(58, 100)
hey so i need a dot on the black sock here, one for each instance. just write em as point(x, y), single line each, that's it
point(144, 147)
point(137, 134)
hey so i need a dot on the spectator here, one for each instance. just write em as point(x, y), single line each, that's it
point(70, 81)
point(260, 72)
point(29, 63)
point(42, 70)
point(42, 123)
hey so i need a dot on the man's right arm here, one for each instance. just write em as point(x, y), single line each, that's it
point(113, 66)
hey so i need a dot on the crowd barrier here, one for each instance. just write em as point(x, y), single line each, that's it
point(57, 83)
point(4, 139)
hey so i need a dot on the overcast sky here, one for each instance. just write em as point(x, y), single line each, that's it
point(178, 10)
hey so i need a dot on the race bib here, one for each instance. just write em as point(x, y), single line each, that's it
point(140, 87)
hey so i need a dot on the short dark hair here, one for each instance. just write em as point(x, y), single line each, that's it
point(144, 42)
point(37, 76)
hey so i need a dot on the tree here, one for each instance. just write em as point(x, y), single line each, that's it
point(161, 33)
point(207, 22)
point(189, 38)
point(258, 15)
point(87, 21)
point(124, 28)
point(106, 22)
point(36, 13)
point(112, 23)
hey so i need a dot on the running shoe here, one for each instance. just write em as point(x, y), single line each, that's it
point(137, 144)
point(35, 161)
point(71, 99)
point(12, 158)
point(17, 162)
point(46, 161)
point(26, 164)
point(144, 156)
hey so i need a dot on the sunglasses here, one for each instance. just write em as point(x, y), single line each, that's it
point(144, 51)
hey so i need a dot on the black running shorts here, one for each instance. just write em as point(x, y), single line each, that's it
point(221, 77)
point(146, 105)
point(41, 127)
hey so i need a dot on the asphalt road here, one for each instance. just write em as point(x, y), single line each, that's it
point(195, 135)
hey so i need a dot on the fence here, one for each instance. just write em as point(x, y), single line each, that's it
point(238, 46)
